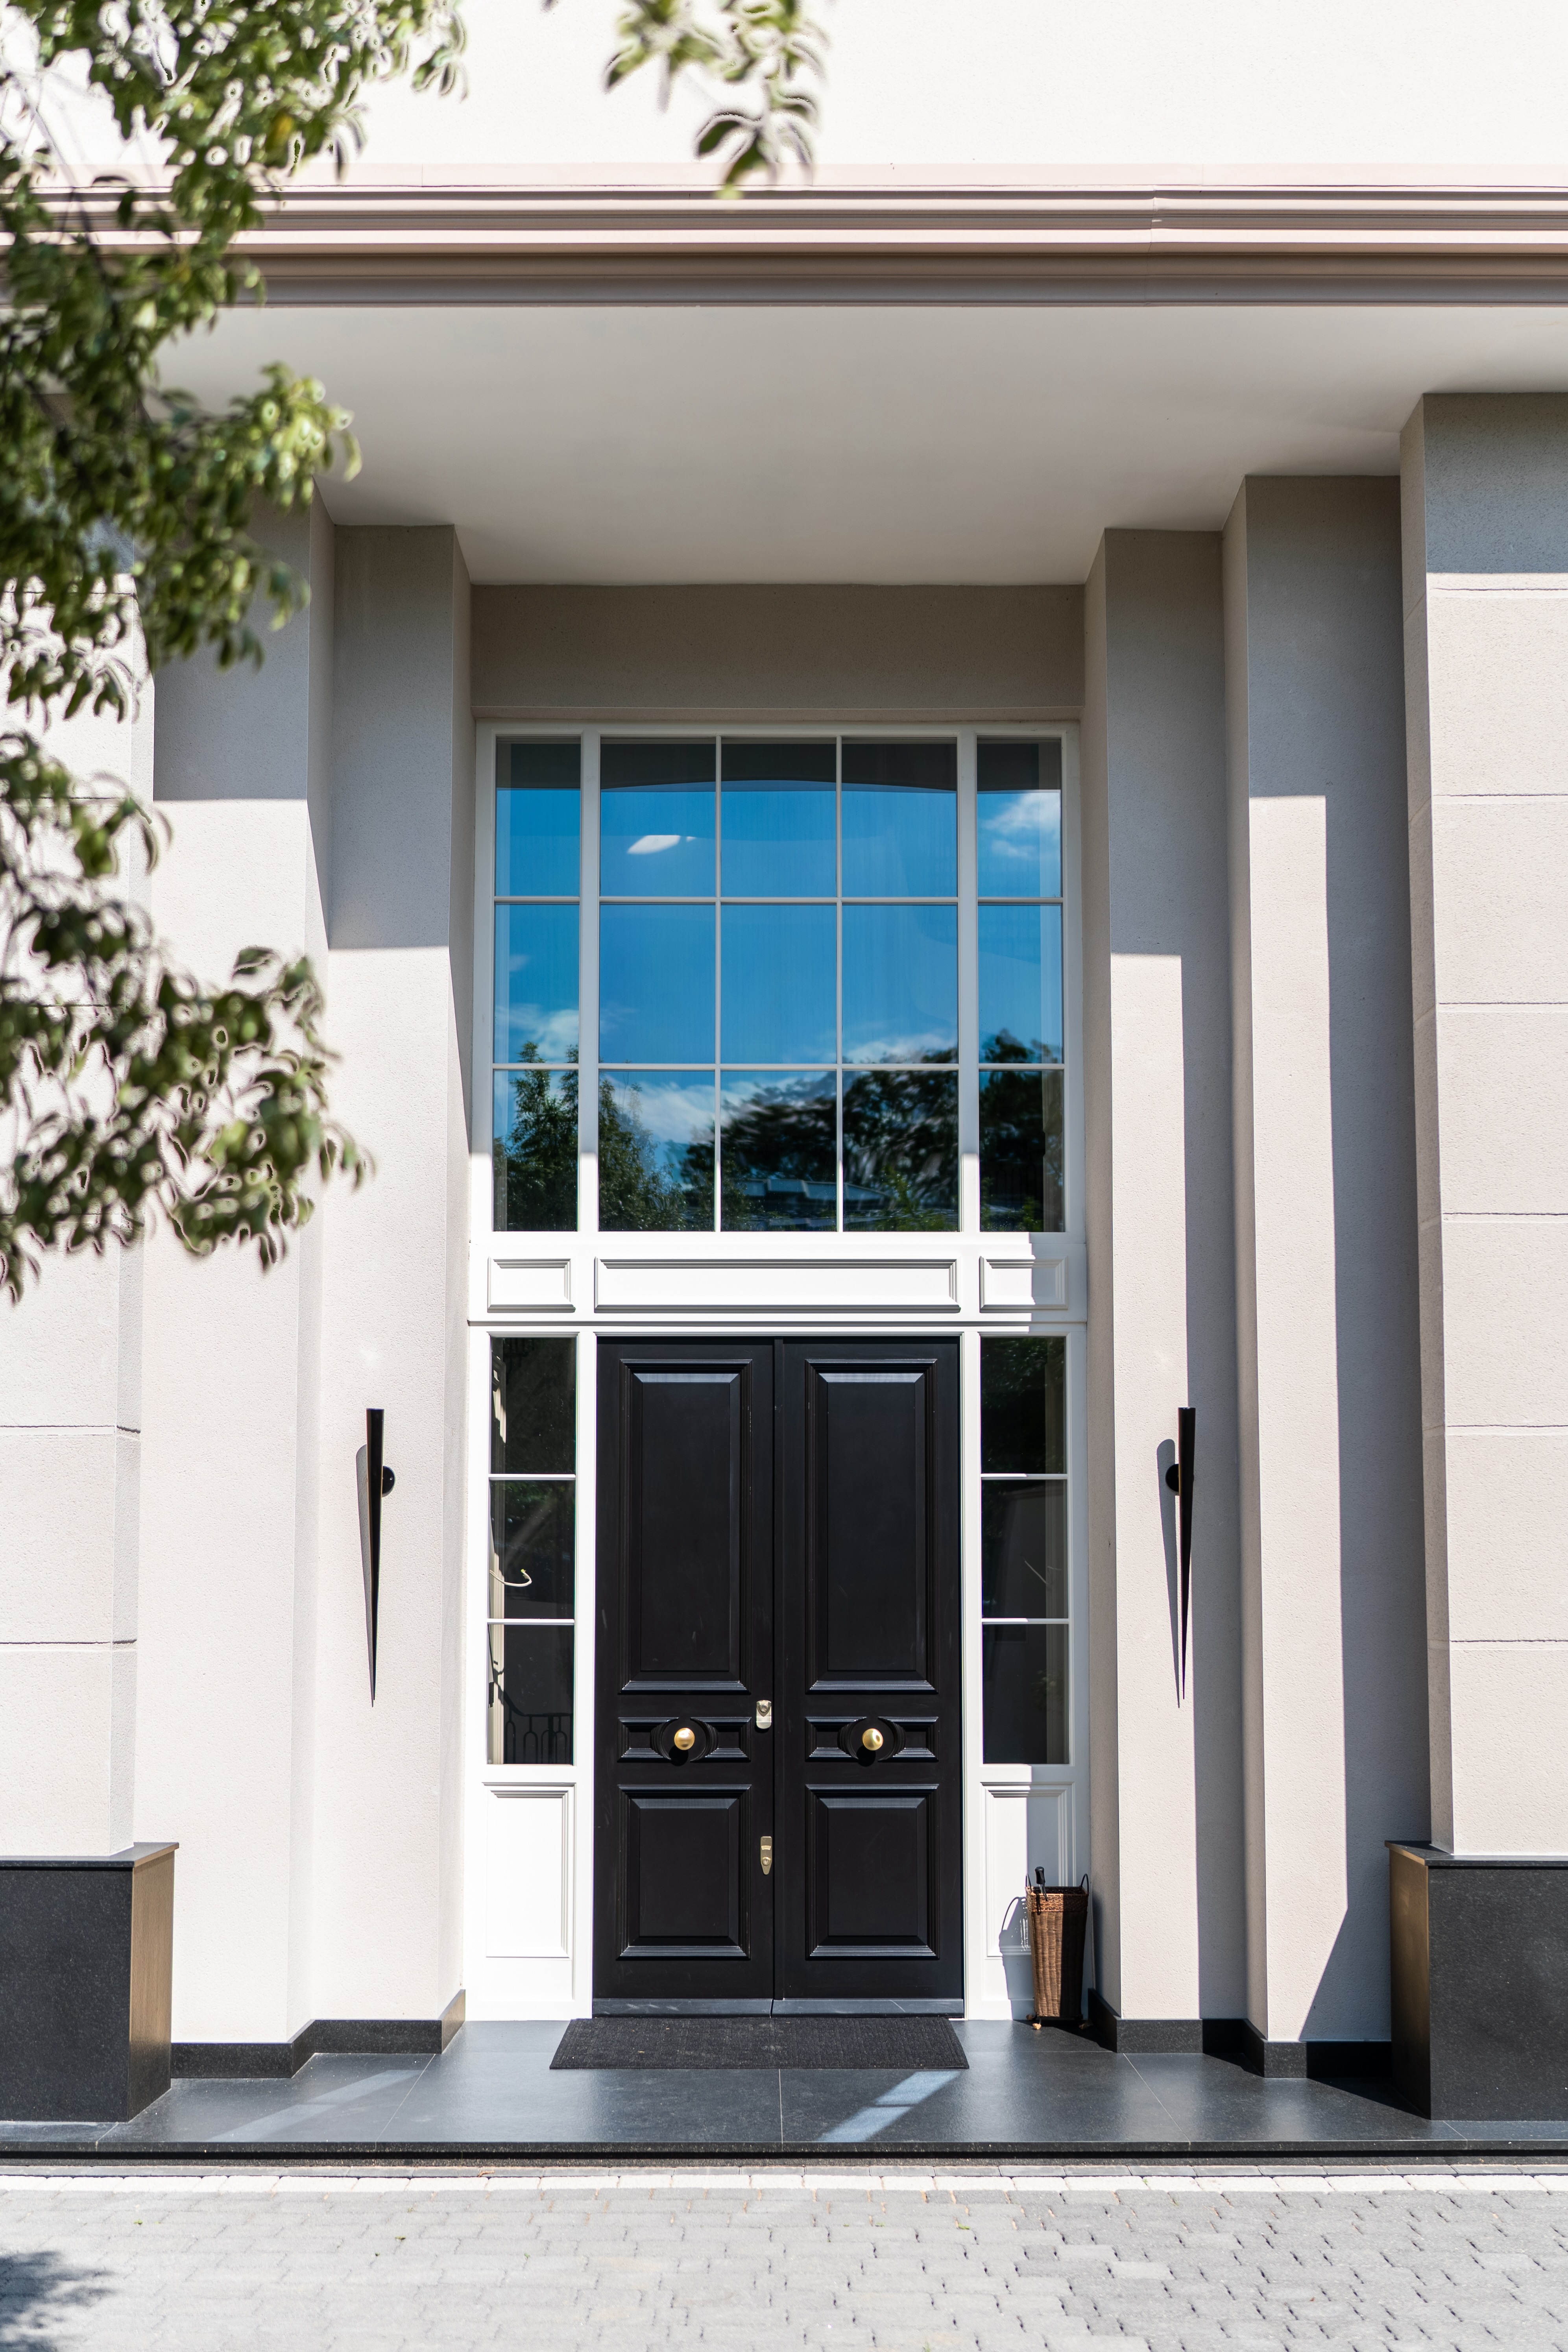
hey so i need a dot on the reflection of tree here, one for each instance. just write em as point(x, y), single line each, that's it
point(1020, 1145)
point(783, 1142)
point(536, 1161)
point(900, 1151)
point(1022, 1404)
point(646, 1186)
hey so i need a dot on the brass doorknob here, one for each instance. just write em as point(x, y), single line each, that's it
point(686, 1738)
point(871, 1738)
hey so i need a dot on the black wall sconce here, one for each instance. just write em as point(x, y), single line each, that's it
point(375, 1481)
point(1179, 1478)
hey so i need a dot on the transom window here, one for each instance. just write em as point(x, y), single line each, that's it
point(778, 984)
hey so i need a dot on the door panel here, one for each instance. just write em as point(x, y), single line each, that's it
point(685, 1441)
point(683, 1913)
point(869, 1504)
point(869, 1839)
point(869, 1869)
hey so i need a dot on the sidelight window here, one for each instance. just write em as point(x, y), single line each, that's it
point(534, 1081)
point(532, 1597)
point(1024, 1550)
point(1019, 863)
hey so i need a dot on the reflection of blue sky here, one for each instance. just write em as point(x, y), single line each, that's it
point(779, 842)
point(1020, 845)
point(536, 982)
point(537, 843)
point(778, 993)
point(656, 983)
point(900, 983)
point(897, 841)
point(1021, 977)
point(676, 1109)
point(655, 842)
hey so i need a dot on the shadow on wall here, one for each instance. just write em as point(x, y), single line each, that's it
point(40, 2298)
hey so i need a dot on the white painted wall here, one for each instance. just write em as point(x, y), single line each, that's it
point(71, 1468)
point(1333, 1601)
point(1485, 503)
point(1006, 90)
point(1164, 1777)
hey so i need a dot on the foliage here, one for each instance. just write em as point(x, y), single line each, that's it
point(128, 1087)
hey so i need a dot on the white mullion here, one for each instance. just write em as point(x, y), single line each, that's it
point(968, 986)
point(838, 1080)
point(588, 991)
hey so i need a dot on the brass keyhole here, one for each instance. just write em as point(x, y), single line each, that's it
point(686, 1738)
point(872, 1738)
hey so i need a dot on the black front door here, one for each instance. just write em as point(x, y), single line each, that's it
point(777, 1733)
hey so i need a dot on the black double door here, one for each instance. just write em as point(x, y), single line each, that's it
point(778, 1822)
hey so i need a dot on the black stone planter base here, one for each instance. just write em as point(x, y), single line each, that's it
point(86, 1955)
point(1478, 1955)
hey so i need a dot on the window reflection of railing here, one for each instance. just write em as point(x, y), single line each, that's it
point(528, 1737)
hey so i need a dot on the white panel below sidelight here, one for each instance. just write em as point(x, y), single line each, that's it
point(528, 1872)
point(529, 1286)
point(751, 1286)
point(1026, 1828)
point(1022, 1282)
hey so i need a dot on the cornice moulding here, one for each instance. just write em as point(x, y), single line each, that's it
point(479, 245)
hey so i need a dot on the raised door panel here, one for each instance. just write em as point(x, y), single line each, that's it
point(868, 1510)
point(686, 1435)
point(869, 1870)
point(683, 1884)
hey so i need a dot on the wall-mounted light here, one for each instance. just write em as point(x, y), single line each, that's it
point(375, 1481)
point(1179, 1478)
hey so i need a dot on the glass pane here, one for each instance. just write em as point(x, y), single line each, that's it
point(535, 1151)
point(1024, 1683)
point(655, 819)
point(529, 1695)
point(779, 820)
point(901, 1152)
point(1021, 1152)
point(530, 1550)
point(901, 820)
point(779, 992)
point(1020, 983)
point(778, 1144)
point(1020, 820)
point(533, 1405)
point(536, 983)
point(656, 983)
point(656, 1152)
point(1024, 1551)
point(537, 820)
point(900, 983)
point(1022, 1415)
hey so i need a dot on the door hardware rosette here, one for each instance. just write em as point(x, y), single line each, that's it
point(871, 1738)
point(684, 1740)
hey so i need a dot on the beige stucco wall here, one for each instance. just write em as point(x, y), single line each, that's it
point(764, 654)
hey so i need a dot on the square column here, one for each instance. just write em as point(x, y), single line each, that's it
point(1485, 507)
point(1333, 1605)
point(1164, 1773)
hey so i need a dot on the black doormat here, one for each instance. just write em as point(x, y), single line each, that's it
point(903, 2045)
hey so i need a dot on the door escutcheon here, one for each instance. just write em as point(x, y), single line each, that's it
point(765, 1714)
point(767, 1846)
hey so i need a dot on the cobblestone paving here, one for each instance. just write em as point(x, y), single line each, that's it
point(908, 2262)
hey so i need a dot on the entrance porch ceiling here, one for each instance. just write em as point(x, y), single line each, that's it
point(631, 444)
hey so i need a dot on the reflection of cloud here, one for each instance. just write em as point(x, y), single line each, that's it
point(672, 1113)
point(651, 842)
point(554, 1036)
point(1018, 825)
point(901, 1049)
